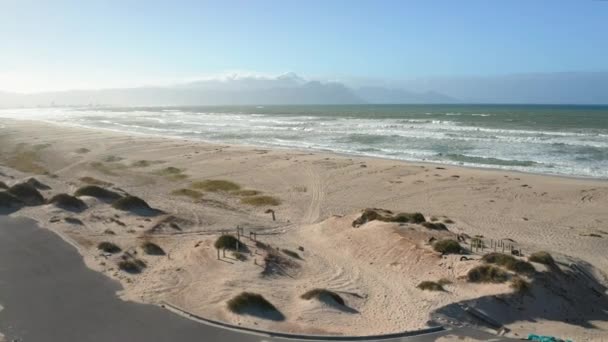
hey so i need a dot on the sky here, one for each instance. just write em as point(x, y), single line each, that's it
point(57, 45)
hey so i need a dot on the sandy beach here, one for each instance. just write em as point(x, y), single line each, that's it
point(311, 243)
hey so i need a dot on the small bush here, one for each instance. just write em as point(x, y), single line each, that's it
point(37, 184)
point(247, 192)
point(387, 216)
point(520, 286)
point(487, 274)
point(9, 201)
point(409, 217)
point(259, 201)
point(509, 262)
point(447, 246)
point(291, 253)
point(324, 295)
point(130, 203)
point(188, 193)
point(226, 242)
point(67, 202)
point(108, 247)
point(94, 181)
point(434, 226)
point(151, 248)
point(216, 185)
point(542, 258)
point(132, 265)
point(247, 302)
point(27, 193)
point(97, 192)
point(448, 221)
point(430, 286)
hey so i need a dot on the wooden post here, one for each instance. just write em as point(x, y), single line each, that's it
point(218, 254)
point(224, 252)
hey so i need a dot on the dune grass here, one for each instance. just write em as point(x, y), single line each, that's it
point(259, 201)
point(27, 193)
point(434, 226)
point(108, 247)
point(145, 163)
point(247, 192)
point(132, 266)
point(542, 258)
point(509, 262)
point(97, 192)
point(67, 202)
point(248, 301)
point(519, 285)
point(3, 185)
point(291, 253)
point(217, 185)
point(430, 286)
point(9, 201)
point(151, 248)
point(226, 242)
point(187, 193)
point(128, 203)
point(94, 181)
point(487, 274)
point(447, 246)
point(323, 295)
point(374, 214)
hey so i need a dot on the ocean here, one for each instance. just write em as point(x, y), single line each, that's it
point(546, 139)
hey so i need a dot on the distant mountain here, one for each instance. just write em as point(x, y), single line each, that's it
point(383, 95)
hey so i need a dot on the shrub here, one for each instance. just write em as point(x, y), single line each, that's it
point(487, 274)
point(509, 262)
point(37, 184)
point(448, 221)
point(140, 163)
point(291, 253)
point(67, 202)
point(542, 258)
point(447, 246)
point(247, 302)
point(519, 285)
point(261, 200)
point(387, 216)
point(130, 203)
point(409, 217)
point(247, 192)
point(151, 248)
point(94, 181)
point(132, 265)
point(27, 193)
point(323, 295)
point(430, 286)
point(435, 226)
point(9, 201)
point(108, 247)
point(216, 185)
point(226, 242)
point(188, 193)
point(97, 192)
point(3, 185)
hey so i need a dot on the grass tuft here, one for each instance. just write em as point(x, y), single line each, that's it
point(435, 226)
point(487, 274)
point(69, 202)
point(188, 193)
point(226, 242)
point(520, 286)
point(27, 193)
point(151, 248)
point(9, 201)
point(509, 262)
point(3, 185)
point(108, 247)
point(82, 150)
point(217, 185)
point(447, 246)
point(323, 295)
point(542, 258)
point(132, 266)
point(248, 301)
point(247, 192)
point(259, 201)
point(387, 216)
point(97, 192)
point(94, 181)
point(291, 253)
point(430, 286)
point(130, 203)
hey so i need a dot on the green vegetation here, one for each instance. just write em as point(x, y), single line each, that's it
point(216, 185)
point(259, 201)
point(291, 253)
point(128, 203)
point(82, 150)
point(112, 159)
point(509, 262)
point(132, 265)
point(151, 248)
point(226, 242)
point(448, 221)
point(434, 226)
point(430, 286)
point(3, 185)
point(141, 163)
point(108, 247)
point(387, 216)
point(27, 193)
point(520, 286)
point(247, 192)
point(97, 192)
point(542, 258)
point(248, 302)
point(9, 201)
point(94, 181)
point(324, 295)
point(447, 246)
point(188, 193)
point(487, 274)
point(69, 202)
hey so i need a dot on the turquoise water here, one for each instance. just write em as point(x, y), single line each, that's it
point(562, 140)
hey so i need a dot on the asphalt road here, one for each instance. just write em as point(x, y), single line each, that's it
point(48, 295)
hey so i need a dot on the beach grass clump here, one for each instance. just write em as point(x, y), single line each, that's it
point(447, 246)
point(520, 286)
point(108, 247)
point(9, 201)
point(226, 242)
point(509, 262)
point(434, 226)
point(216, 185)
point(129, 203)
point(94, 181)
point(141, 163)
point(151, 248)
point(37, 184)
point(3, 185)
point(69, 202)
point(187, 193)
point(27, 193)
point(430, 286)
point(248, 302)
point(247, 192)
point(261, 200)
point(291, 253)
point(448, 221)
point(324, 295)
point(97, 192)
point(487, 274)
point(375, 214)
point(542, 258)
point(132, 265)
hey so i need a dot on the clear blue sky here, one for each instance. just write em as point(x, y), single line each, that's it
point(58, 44)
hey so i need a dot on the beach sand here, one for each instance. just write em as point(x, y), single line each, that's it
point(375, 268)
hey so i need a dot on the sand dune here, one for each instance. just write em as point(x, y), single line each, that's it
point(374, 268)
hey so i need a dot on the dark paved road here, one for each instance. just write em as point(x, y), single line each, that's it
point(49, 295)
